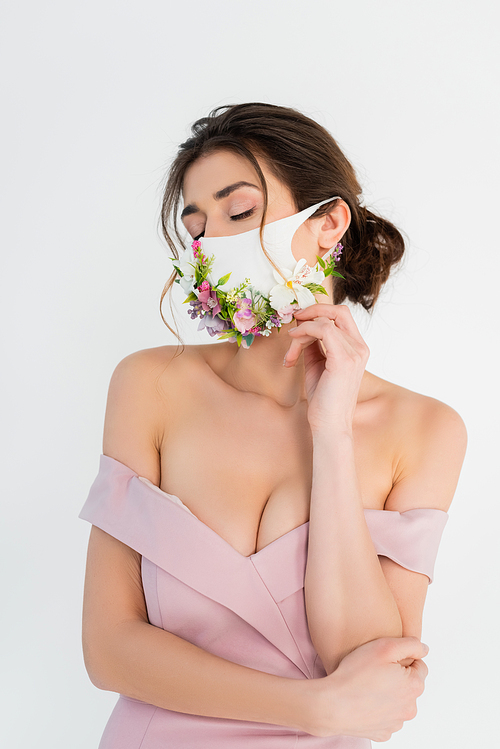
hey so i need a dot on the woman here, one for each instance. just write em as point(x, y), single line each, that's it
point(267, 512)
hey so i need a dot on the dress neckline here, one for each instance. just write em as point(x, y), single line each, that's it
point(287, 540)
point(177, 501)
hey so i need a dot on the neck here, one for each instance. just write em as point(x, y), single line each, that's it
point(259, 369)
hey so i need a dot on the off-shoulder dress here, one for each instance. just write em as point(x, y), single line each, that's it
point(249, 610)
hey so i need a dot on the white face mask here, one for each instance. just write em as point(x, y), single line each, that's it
point(259, 299)
point(242, 255)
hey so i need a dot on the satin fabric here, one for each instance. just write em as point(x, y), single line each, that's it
point(249, 610)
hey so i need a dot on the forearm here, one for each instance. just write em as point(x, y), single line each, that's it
point(150, 664)
point(348, 601)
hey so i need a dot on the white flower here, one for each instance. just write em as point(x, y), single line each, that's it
point(186, 263)
point(292, 287)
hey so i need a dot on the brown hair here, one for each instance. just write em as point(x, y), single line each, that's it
point(305, 157)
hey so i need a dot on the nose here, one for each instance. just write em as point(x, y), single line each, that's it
point(215, 226)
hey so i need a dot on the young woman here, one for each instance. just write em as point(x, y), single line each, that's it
point(267, 512)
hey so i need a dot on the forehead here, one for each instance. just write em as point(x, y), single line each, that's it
point(214, 171)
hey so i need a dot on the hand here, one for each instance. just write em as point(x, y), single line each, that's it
point(371, 693)
point(335, 357)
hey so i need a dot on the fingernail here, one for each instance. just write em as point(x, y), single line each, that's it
point(426, 648)
point(284, 361)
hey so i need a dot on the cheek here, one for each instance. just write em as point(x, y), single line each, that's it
point(304, 245)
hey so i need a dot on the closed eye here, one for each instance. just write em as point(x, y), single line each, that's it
point(237, 217)
point(246, 214)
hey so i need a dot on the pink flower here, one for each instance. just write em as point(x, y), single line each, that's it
point(286, 313)
point(244, 319)
point(196, 247)
point(208, 298)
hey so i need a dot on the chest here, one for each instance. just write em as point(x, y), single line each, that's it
point(243, 466)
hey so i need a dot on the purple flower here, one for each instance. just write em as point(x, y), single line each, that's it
point(196, 309)
point(213, 324)
point(337, 252)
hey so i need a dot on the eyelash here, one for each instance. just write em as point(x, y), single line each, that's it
point(245, 214)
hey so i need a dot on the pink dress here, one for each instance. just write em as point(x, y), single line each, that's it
point(249, 610)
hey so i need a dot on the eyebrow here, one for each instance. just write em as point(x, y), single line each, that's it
point(219, 195)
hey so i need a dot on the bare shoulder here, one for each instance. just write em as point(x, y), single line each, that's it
point(137, 408)
point(162, 363)
point(422, 414)
point(430, 441)
point(146, 391)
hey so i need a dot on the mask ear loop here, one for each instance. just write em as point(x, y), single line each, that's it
point(298, 219)
point(327, 254)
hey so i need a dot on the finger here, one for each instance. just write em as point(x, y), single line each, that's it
point(296, 348)
point(301, 340)
point(420, 668)
point(318, 328)
point(342, 320)
point(396, 648)
point(339, 313)
point(323, 329)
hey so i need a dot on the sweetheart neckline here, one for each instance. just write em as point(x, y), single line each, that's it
point(170, 496)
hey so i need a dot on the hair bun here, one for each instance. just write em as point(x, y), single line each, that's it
point(372, 246)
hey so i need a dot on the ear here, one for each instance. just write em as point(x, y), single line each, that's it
point(333, 226)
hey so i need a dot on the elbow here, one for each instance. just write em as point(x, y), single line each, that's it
point(95, 672)
point(96, 677)
point(95, 665)
point(98, 682)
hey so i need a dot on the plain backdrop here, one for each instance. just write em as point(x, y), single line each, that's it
point(96, 96)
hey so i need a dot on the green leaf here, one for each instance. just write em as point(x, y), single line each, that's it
point(223, 280)
point(249, 338)
point(227, 334)
point(315, 288)
point(336, 273)
point(191, 298)
point(321, 261)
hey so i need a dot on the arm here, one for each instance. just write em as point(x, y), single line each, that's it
point(351, 597)
point(372, 595)
point(348, 600)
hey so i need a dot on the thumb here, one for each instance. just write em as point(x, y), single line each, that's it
point(405, 647)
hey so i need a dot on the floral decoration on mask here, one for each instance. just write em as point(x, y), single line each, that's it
point(242, 313)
